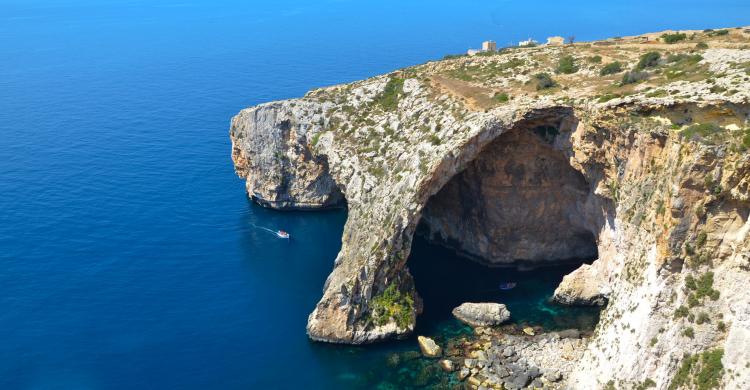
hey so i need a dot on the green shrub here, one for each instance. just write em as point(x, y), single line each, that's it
point(681, 312)
point(703, 131)
point(648, 60)
point(393, 304)
point(684, 58)
point(567, 65)
point(544, 81)
point(316, 138)
point(608, 97)
point(673, 38)
point(435, 140)
point(501, 97)
point(701, 372)
point(595, 59)
point(611, 68)
point(390, 96)
point(633, 77)
point(688, 332)
point(701, 45)
point(648, 383)
point(653, 342)
point(702, 318)
point(701, 239)
point(717, 33)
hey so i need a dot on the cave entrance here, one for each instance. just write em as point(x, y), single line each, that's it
point(517, 213)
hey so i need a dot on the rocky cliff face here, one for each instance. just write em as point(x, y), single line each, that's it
point(650, 176)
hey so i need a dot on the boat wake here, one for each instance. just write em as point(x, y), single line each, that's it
point(277, 233)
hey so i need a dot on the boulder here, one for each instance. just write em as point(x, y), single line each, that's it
point(529, 331)
point(552, 375)
point(446, 365)
point(583, 287)
point(463, 374)
point(429, 347)
point(482, 314)
point(517, 381)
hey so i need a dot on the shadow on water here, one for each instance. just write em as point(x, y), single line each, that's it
point(444, 280)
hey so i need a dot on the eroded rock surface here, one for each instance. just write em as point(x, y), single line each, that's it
point(519, 202)
point(482, 314)
point(655, 174)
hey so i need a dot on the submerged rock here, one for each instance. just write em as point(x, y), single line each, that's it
point(429, 347)
point(482, 314)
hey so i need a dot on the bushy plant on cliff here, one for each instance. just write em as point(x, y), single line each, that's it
point(611, 68)
point(388, 100)
point(673, 38)
point(648, 60)
point(544, 81)
point(501, 97)
point(392, 304)
point(567, 65)
point(701, 372)
point(708, 133)
point(633, 77)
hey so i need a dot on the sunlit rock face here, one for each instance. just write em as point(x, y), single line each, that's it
point(520, 202)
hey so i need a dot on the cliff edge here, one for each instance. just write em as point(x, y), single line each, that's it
point(632, 151)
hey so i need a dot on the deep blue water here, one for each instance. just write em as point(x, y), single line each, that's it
point(128, 256)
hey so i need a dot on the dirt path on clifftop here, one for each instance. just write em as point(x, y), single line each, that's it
point(475, 98)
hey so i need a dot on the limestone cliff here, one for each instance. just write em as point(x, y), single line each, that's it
point(645, 168)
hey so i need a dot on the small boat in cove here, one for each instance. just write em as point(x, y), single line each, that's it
point(507, 285)
point(282, 234)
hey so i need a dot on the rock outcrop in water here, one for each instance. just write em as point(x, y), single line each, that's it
point(647, 171)
point(482, 314)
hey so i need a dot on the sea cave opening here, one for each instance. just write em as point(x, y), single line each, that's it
point(518, 212)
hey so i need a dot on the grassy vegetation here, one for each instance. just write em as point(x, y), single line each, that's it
point(702, 371)
point(717, 33)
point(544, 81)
point(611, 68)
point(597, 59)
point(485, 72)
point(316, 138)
point(393, 304)
point(647, 384)
point(701, 45)
point(501, 97)
point(684, 65)
point(388, 100)
point(708, 133)
point(673, 38)
point(567, 65)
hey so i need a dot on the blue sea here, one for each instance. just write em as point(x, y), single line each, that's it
point(130, 257)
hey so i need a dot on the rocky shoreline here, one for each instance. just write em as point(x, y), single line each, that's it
point(510, 357)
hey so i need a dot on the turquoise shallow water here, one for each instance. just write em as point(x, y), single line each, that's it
point(128, 252)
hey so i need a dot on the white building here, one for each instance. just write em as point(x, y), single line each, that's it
point(528, 42)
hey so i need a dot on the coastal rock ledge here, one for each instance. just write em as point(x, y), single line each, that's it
point(645, 173)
